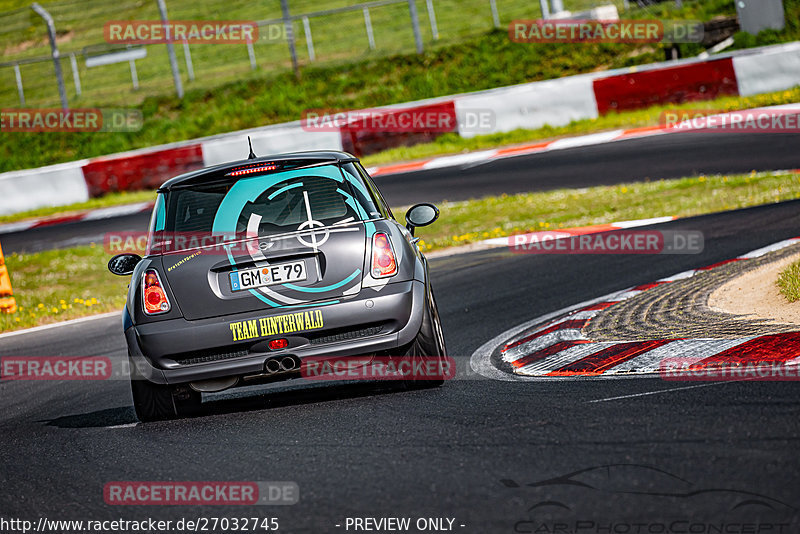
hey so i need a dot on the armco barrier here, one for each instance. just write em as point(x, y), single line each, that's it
point(362, 140)
point(287, 138)
point(776, 69)
point(533, 105)
point(146, 170)
point(672, 85)
point(55, 185)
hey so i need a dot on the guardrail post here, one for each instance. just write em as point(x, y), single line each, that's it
point(289, 28)
point(432, 18)
point(18, 76)
point(134, 75)
point(251, 53)
point(368, 24)
point(309, 39)
point(495, 15)
point(173, 61)
point(51, 34)
point(187, 55)
point(75, 76)
point(545, 9)
point(412, 8)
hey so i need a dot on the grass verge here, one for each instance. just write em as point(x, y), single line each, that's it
point(57, 285)
point(461, 223)
point(789, 282)
point(106, 201)
point(64, 284)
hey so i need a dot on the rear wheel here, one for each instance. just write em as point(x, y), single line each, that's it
point(429, 343)
point(156, 402)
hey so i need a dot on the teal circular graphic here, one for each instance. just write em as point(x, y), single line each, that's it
point(311, 233)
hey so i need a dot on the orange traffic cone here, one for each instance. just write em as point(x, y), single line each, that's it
point(8, 303)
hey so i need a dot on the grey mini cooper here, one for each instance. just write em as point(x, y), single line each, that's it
point(254, 267)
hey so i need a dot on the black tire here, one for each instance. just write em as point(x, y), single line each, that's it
point(428, 342)
point(157, 402)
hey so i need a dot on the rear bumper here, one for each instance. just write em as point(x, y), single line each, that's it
point(153, 347)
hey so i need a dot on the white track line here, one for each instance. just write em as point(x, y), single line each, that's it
point(37, 329)
point(661, 391)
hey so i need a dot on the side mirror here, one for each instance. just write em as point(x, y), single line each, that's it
point(123, 264)
point(421, 215)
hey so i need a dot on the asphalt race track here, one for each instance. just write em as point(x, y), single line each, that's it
point(464, 451)
point(663, 156)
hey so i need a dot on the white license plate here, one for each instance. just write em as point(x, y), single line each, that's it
point(280, 273)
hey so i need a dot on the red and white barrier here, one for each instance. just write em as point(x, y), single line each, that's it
point(532, 105)
point(270, 140)
point(776, 68)
point(361, 137)
point(670, 85)
point(587, 96)
point(145, 169)
point(77, 181)
point(55, 185)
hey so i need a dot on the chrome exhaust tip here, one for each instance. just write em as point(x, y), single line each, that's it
point(288, 363)
point(272, 366)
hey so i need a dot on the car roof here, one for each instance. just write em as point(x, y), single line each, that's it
point(309, 158)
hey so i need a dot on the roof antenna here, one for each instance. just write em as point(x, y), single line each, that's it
point(252, 154)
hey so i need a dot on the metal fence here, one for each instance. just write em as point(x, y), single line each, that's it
point(325, 31)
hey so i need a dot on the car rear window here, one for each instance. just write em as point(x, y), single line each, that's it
point(278, 202)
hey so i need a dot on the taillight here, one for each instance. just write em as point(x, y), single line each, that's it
point(278, 344)
point(250, 169)
point(153, 294)
point(383, 260)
